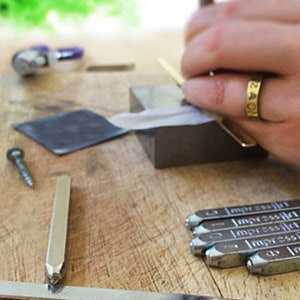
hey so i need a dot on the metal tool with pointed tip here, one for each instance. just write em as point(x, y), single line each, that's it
point(202, 242)
point(251, 220)
point(235, 253)
point(196, 218)
point(55, 261)
point(275, 260)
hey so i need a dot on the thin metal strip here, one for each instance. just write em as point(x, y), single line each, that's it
point(22, 290)
point(171, 71)
point(111, 68)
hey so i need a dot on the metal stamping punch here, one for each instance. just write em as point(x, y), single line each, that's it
point(55, 260)
point(275, 261)
point(199, 244)
point(199, 216)
point(251, 220)
point(235, 253)
point(266, 239)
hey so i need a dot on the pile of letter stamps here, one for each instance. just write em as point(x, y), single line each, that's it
point(264, 237)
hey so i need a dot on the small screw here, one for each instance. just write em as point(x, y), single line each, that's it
point(16, 155)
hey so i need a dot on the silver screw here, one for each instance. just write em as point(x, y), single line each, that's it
point(16, 154)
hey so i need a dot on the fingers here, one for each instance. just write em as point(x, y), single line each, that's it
point(244, 46)
point(225, 94)
point(282, 139)
point(268, 10)
point(222, 94)
point(237, 39)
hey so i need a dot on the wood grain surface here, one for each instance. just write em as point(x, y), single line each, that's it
point(126, 225)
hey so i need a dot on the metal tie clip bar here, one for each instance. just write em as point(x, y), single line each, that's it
point(55, 260)
point(111, 67)
point(22, 290)
point(266, 238)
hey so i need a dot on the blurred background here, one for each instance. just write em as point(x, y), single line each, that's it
point(94, 15)
point(107, 29)
point(139, 31)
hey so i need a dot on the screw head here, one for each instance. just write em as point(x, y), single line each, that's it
point(14, 152)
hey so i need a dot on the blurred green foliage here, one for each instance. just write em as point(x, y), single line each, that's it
point(31, 13)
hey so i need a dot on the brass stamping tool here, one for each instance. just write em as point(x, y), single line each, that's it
point(55, 261)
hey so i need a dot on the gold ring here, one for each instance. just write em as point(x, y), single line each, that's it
point(253, 89)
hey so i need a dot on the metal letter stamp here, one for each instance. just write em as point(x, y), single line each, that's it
point(235, 253)
point(275, 260)
point(264, 237)
point(205, 240)
point(251, 220)
point(198, 217)
point(55, 260)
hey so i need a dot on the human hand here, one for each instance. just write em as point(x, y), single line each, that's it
point(238, 39)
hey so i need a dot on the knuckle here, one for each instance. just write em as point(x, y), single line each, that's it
point(231, 9)
point(293, 45)
point(214, 37)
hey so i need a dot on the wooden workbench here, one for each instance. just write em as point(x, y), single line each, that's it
point(126, 218)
